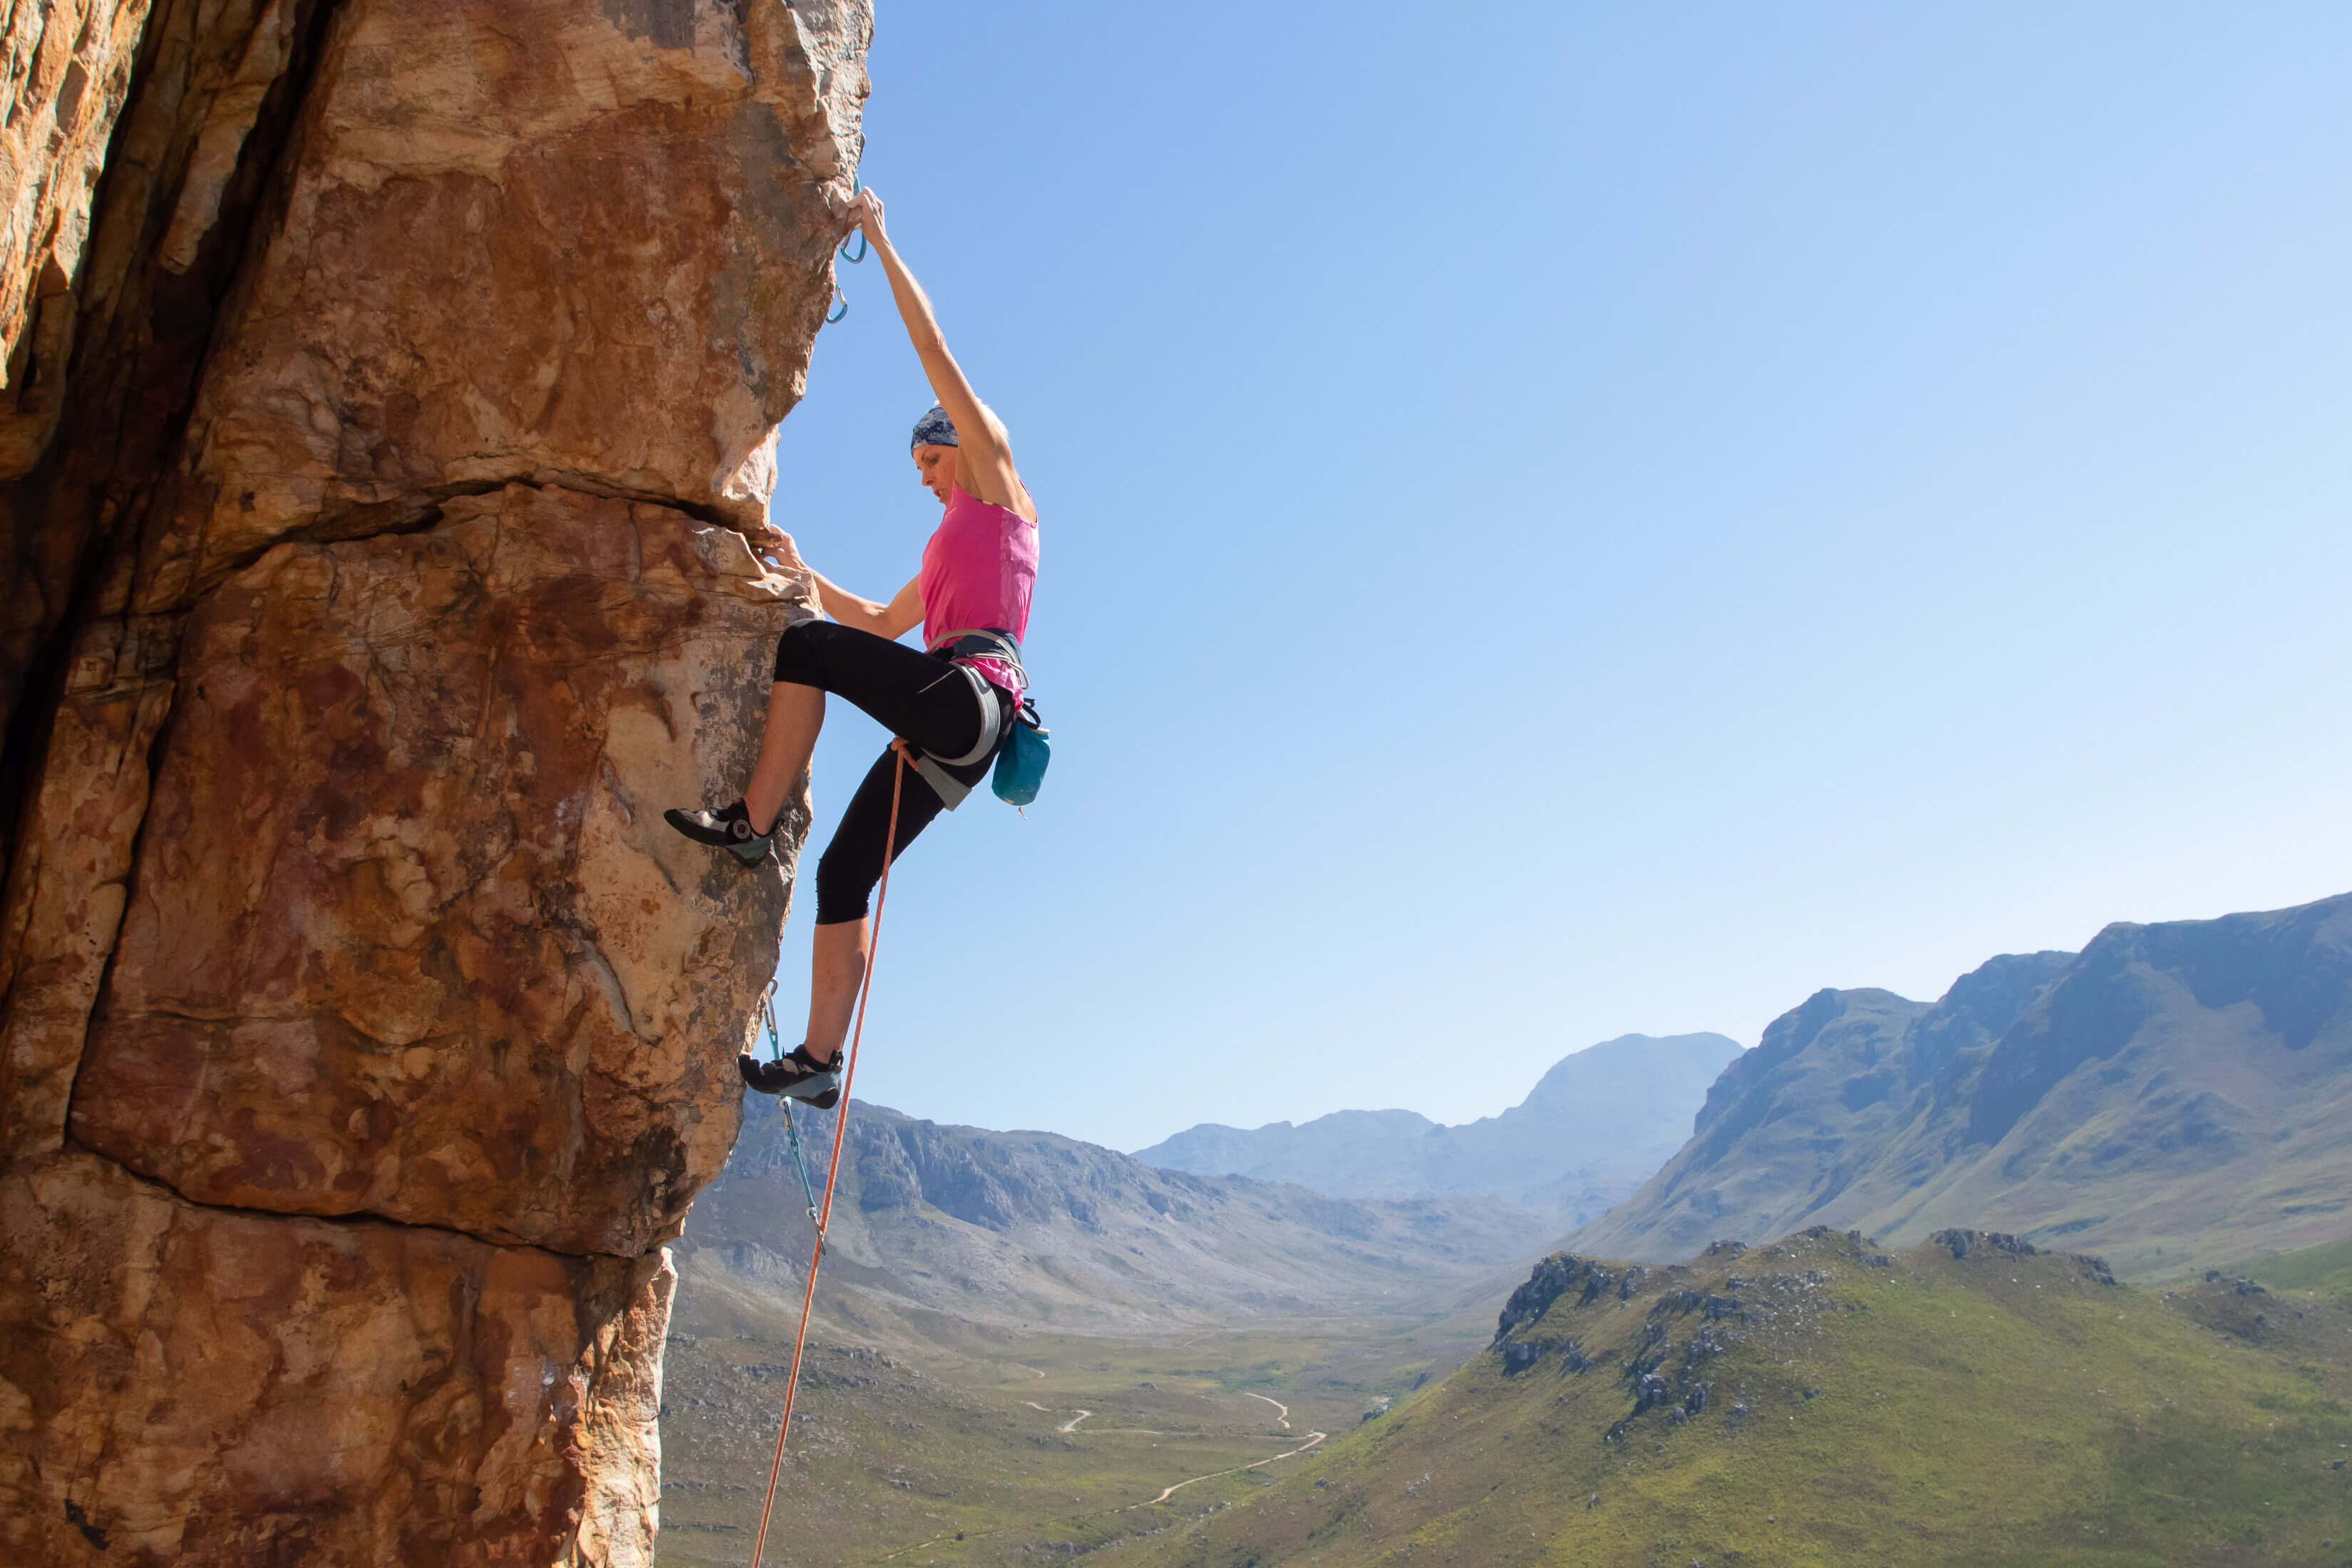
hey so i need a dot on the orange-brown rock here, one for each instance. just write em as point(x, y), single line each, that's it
point(409, 936)
point(65, 70)
point(373, 587)
point(190, 1384)
point(619, 187)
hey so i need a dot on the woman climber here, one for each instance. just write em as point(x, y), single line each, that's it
point(952, 705)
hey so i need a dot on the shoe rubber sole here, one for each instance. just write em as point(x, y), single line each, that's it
point(751, 851)
point(821, 1090)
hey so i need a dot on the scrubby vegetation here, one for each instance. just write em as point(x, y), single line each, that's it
point(1817, 1402)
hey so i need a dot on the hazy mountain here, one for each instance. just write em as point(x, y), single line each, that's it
point(1031, 1229)
point(1592, 1129)
point(2173, 1095)
point(1973, 1401)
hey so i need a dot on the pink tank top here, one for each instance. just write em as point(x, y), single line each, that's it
point(979, 569)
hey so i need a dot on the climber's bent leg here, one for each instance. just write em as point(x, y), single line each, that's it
point(921, 698)
point(836, 967)
point(908, 691)
point(812, 1069)
point(845, 875)
point(795, 715)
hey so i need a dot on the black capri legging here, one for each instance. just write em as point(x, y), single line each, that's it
point(913, 694)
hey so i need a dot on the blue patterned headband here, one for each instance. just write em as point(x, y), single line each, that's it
point(934, 429)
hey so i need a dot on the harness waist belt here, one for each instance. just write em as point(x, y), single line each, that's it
point(982, 642)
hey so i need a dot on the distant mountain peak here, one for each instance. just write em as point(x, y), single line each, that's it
point(1594, 1125)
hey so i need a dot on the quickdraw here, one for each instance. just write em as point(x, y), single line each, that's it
point(791, 1128)
point(840, 301)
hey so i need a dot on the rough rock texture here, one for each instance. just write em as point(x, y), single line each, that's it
point(65, 70)
point(114, 350)
point(213, 1386)
point(635, 197)
point(371, 587)
point(410, 937)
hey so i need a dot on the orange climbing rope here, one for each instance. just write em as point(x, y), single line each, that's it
point(840, 1136)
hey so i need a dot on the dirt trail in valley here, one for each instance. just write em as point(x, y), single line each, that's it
point(1281, 1411)
point(1312, 1439)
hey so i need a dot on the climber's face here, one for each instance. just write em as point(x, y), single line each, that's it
point(936, 465)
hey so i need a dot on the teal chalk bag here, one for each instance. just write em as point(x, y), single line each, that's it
point(1020, 763)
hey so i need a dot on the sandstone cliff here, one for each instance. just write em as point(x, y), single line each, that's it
point(384, 379)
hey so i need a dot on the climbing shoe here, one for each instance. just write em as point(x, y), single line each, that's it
point(729, 829)
point(798, 1076)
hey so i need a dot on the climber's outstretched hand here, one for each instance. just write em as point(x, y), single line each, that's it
point(775, 541)
point(866, 213)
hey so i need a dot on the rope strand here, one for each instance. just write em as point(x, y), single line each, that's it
point(840, 1137)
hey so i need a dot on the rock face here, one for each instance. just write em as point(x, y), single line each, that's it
point(64, 69)
point(376, 435)
point(410, 939)
point(2171, 1095)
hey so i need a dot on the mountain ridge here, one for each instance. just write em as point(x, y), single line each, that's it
point(1594, 1126)
point(1033, 1229)
point(2173, 1095)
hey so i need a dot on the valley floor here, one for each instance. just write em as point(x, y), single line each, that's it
point(1812, 1402)
point(973, 1449)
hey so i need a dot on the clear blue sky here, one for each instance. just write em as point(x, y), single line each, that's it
point(1562, 520)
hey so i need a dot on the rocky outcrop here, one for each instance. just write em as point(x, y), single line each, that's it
point(373, 454)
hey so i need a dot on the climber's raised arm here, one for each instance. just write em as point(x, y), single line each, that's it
point(984, 461)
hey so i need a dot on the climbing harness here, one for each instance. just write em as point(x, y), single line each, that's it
point(1020, 761)
point(823, 1216)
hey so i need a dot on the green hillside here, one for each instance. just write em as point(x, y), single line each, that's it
point(1816, 1402)
point(2327, 1269)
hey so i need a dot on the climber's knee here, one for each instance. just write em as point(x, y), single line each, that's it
point(800, 652)
point(845, 875)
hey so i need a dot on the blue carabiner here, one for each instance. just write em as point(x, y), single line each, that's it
point(856, 183)
point(840, 306)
